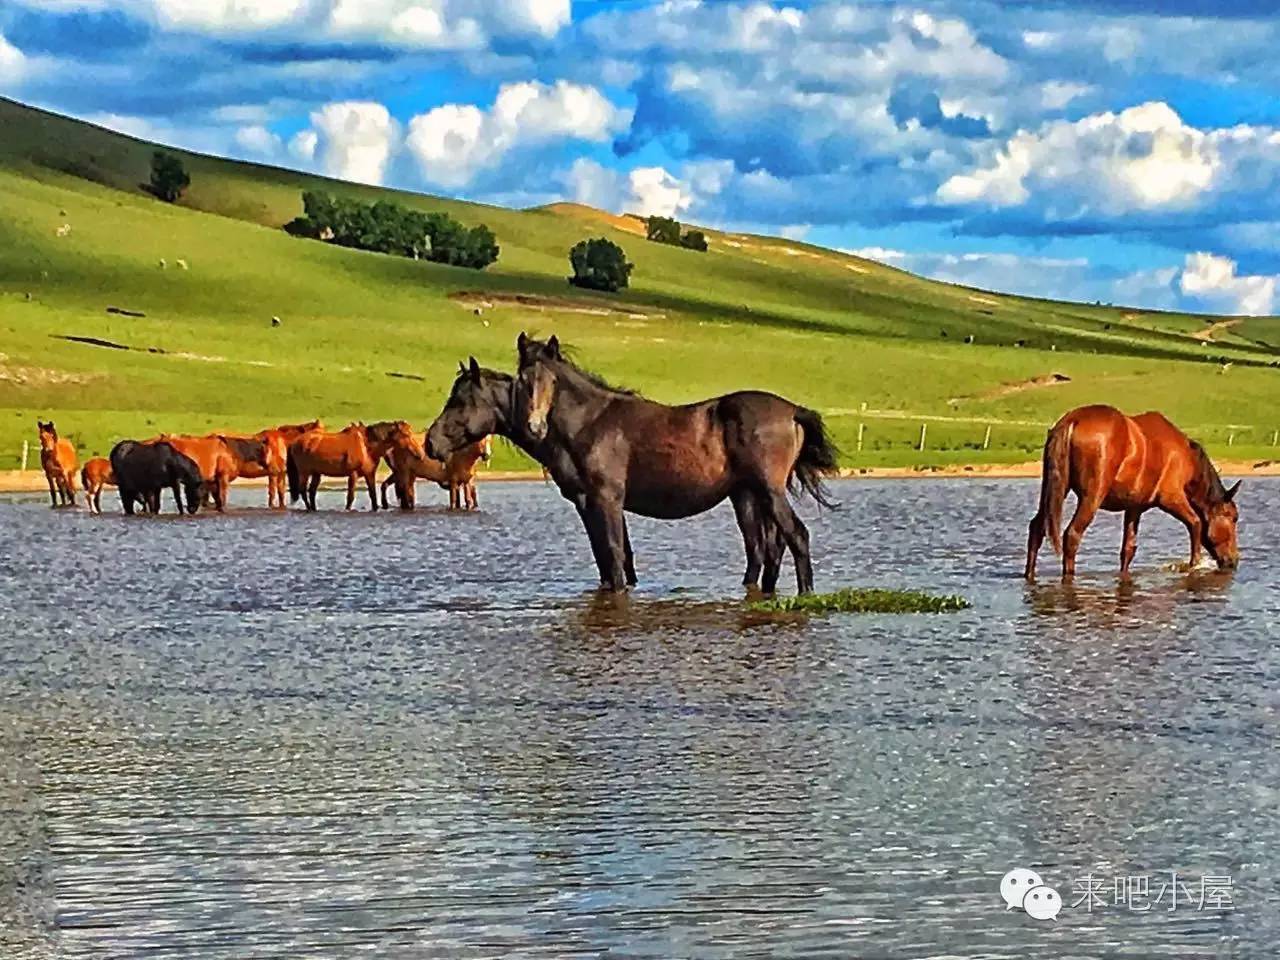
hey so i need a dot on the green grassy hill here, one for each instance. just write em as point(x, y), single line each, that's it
point(367, 336)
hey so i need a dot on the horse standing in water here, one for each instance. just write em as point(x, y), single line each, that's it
point(1130, 464)
point(351, 453)
point(94, 475)
point(219, 465)
point(628, 453)
point(58, 460)
point(457, 474)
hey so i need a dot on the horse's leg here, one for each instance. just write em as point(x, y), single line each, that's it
point(1087, 504)
point(351, 489)
point(71, 487)
point(312, 487)
point(1035, 538)
point(383, 490)
point(53, 490)
point(598, 554)
point(1183, 510)
point(1130, 545)
point(454, 502)
point(371, 481)
point(773, 549)
point(473, 496)
point(744, 508)
point(794, 533)
point(607, 517)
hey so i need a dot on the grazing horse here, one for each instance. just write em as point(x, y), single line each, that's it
point(630, 453)
point(58, 460)
point(217, 463)
point(1130, 464)
point(457, 474)
point(95, 475)
point(143, 469)
point(351, 453)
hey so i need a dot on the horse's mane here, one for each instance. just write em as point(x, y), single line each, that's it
point(1206, 482)
point(568, 358)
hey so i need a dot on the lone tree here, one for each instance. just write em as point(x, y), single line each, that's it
point(663, 230)
point(694, 240)
point(599, 264)
point(169, 178)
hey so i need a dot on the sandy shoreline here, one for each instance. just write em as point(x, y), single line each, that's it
point(33, 481)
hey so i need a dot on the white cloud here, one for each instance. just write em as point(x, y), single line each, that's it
point(354, 140)
point(303, 145)
point(1213, 280)
point(258, 140)
point(12, 62)
point(648, 191)
point(232, 16)
point(1142, 158)
point(656, 193)
point(455, 142)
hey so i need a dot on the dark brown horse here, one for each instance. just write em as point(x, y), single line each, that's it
point(628, 453)
point(1130, 464)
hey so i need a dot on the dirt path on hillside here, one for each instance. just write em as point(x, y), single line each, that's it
point(1213, 329)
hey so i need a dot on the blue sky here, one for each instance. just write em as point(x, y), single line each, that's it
point(1110, 150)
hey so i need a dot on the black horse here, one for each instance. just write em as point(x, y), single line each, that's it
point(624, 452)
point(143, 470)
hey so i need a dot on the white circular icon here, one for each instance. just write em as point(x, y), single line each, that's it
point(1015, 885)
point(1042, 902)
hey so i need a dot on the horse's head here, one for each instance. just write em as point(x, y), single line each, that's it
point(535, 383)
point(1218, 529)
point(48, 434)
point(479, 404)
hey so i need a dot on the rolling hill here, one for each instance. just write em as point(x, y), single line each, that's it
point(365, 336)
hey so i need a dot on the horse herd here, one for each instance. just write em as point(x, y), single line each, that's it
point(296, 455)
point(611, 451)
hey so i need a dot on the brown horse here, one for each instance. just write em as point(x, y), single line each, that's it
point(612, 450)
point(1130, 464)
point(58, 460)
point(95, 475)
point(351, 453)
point(218, 465)
point(457, 474)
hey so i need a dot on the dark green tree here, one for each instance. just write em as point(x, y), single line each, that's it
point(599, 264)
point(169, 178)
point(694, 240)
point(663, 230)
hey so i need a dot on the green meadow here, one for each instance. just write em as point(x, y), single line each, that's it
point(366, 336)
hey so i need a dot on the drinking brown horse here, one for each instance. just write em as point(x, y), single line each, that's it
point(217, 463)
point(628, 453)
point(1130, 464)
point(351, 453)
point(95, 475)
point(457, 474)
point(58, 460)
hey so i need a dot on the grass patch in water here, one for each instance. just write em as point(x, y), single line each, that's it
point(862, 600)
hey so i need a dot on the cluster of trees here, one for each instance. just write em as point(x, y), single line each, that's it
point(668, 230)
point(169, 179)
point(387, 227)
point(599, 264)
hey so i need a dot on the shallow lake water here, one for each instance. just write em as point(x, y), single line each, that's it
point(334, 735)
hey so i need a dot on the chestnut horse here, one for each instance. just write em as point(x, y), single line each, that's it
point(95, 475)
point(1130, 464)
point(457, 474)
point(632, 454)
point(217, 463)
point(58, 460)
point(352, 453)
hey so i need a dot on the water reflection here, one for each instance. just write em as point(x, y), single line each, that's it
point(234, 754)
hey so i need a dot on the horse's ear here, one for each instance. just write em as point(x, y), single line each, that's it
point(475, 369)
point(1231, 493)
point(522, 343)
point(553, 347)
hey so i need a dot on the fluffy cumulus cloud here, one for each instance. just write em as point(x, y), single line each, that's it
point(647, 190)
point(12, 61)
point(1213, 282)
point(257, 140)
point(354, 140)
point(455, 142)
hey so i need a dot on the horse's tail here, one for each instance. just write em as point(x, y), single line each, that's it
point(295, 482)
point(1055, 477)
point(817, 459)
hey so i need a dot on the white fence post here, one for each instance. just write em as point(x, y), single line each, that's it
point(25, 448)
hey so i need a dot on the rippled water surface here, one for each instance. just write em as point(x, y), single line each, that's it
point(339, 735)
